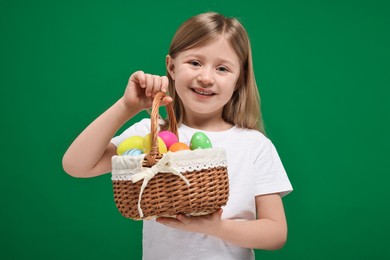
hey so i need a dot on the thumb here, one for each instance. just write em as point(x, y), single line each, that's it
point(166, 100)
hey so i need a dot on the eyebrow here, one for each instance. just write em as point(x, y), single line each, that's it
point(200, 56)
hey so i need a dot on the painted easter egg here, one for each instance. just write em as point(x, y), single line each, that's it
point(133, 152)
point(130, 143)
point(200, 141)
point(168, 137)
point(178, 146)
point(147, 145)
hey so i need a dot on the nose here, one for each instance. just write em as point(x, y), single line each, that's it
point(206, 77)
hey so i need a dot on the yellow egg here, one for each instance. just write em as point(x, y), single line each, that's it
point(130, 143)
point(162, 148)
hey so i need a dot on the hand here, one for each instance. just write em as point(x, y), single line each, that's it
point(201, 224)
point(142, 88)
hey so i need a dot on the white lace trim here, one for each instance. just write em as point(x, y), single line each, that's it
point(124, 167)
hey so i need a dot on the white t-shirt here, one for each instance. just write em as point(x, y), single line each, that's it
point(254, 168)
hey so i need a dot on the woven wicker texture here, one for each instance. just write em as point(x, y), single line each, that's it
point(167, 194)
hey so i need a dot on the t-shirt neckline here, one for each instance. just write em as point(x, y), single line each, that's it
point(184, 126)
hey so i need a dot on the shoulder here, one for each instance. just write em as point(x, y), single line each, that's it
point(140, 128)
point(250, 135)
point(251, 141)
point(241, 141)
point(250, 132)
point(144, 123)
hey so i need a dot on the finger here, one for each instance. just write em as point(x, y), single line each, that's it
point(182, 218)
point(215, 216)
point(164, 84)
point(148, 85)
point(171, 222)
point(156, 85)
point(138, 77)
point(166, 100)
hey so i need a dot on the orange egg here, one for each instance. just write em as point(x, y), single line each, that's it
point(178, 147)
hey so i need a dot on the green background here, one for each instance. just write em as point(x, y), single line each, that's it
point(323, 71)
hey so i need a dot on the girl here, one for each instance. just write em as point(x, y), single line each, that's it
point(213, 89)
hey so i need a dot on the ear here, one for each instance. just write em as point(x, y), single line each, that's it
point(170, 66)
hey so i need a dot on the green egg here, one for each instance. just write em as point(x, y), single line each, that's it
point(200, 141)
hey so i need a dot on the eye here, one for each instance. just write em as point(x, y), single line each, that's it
point(222, 69)
point(194, 63)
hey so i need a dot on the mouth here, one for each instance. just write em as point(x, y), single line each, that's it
point(203, 92)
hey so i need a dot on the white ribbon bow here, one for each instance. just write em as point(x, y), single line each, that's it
point(149, 173)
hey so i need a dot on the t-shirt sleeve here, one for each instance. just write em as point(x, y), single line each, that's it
point(270, 175)
point(141, 128)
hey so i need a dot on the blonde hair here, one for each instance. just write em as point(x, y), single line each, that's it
point(243, 109)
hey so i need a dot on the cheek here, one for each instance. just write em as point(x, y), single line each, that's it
point(232, 83)
point(183, 77)
point(239, 82)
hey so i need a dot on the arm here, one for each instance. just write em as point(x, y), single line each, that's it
point(268, 231)
point(90, 153)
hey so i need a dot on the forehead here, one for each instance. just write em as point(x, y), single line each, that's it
point(218, 48)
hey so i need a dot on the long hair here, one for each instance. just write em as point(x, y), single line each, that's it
point(243, 109)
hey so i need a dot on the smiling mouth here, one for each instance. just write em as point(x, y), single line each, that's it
point(203, 92)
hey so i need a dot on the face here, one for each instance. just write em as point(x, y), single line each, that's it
point(205, 78)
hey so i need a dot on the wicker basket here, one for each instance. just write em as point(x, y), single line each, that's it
point(152, 185)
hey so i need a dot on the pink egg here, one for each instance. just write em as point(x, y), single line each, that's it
point(168, 137)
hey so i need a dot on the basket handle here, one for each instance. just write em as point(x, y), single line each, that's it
point(154, 152)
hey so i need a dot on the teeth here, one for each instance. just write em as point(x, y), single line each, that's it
point(203, 93)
